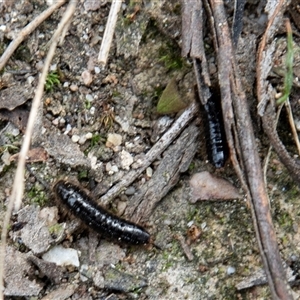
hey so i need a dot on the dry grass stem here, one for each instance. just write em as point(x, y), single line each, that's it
point(292, 123)
point(109, 31)
point(27, 30)
point(18, 186)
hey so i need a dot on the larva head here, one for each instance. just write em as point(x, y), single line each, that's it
point(63, 191)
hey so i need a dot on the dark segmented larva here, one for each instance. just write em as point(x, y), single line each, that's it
point(96, 217)
point(217, 144)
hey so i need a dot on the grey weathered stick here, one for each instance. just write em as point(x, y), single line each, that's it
point(193, 45)
point(265, 106)
point(153, 153)
point(176, 159)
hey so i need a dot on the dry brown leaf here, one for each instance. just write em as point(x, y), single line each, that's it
point(205, 186)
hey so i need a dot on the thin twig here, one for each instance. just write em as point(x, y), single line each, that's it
point(267, 159)
point(27, 30)
point(109, 31)
point(18, 186)
point(186, 249)
point(292, 123)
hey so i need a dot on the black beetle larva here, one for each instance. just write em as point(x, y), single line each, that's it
point(98, 218)
point(217, 145)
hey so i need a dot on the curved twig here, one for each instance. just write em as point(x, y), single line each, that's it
point(18, 186)
point(27, 30)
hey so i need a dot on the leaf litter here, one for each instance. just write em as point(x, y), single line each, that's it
point(167, 273)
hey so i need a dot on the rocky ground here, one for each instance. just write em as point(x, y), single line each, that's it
point(95, 126)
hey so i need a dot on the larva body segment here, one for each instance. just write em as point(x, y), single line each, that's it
point(217, 144)
point(96, 217)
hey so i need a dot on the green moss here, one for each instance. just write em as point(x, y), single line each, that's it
point(95, 141)
point(55, 229)
point(116, 93)
point(194, 215)
point(158, 90)
point(285, 220)
point(96, 138)
point(83, 174)
point(288, 77)
point(37, 196)
point(192, 166)
point(169, 256)
point(87, 104)
point(52, 81)
point(170, 55)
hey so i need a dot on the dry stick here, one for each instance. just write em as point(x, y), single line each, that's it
point(153, 153)
point(261, 71)
point(227, 109)
point(109, 31)
point(265, 104)
point(18, 187)
point(185, 247)
point(27, 30)
point(259, 205)
point(267, 159)
point(292, 124)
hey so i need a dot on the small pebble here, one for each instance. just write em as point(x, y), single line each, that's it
point(149, 172)
point(126, 160)
point(130, 191)
point(73, 87)
point(189, 224)
point(30, 79)
point(230, 270)
point(108, 167)
point(15, 132)
point(167, 222)
point(203, 225)
point(62, 121)
point(53, 67)
point(55, 121)
point(75, 138)
point(113, 140)
point(6, 158)
point(39, 65)
point(82, 140)
point(92, 110)
point(89, 135)
point(68, 129)
point(114, 169)
point(129, 145)
point(89, 97)
point(62, 256)
point(121, 207)
point(87, 77)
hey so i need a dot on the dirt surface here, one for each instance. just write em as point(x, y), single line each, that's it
point(96, 125)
